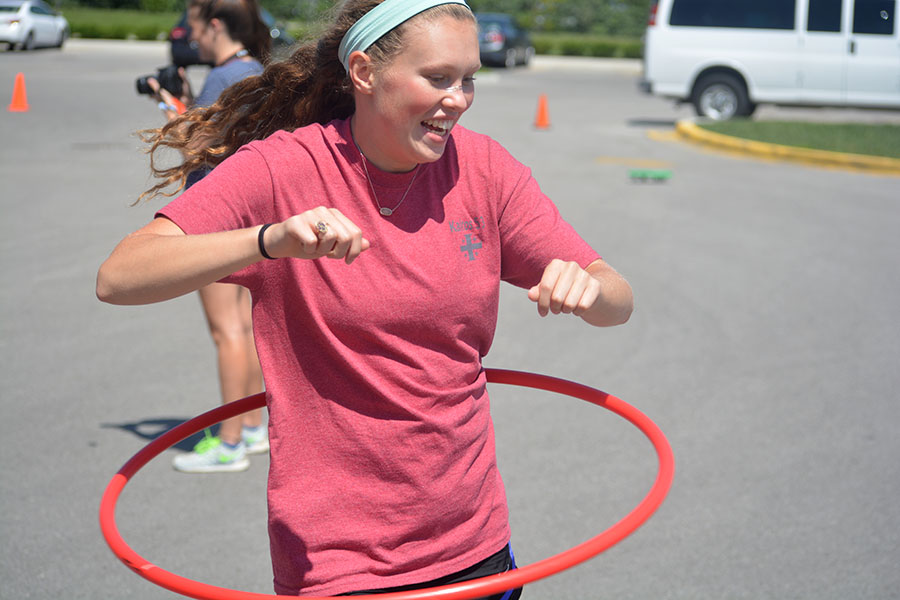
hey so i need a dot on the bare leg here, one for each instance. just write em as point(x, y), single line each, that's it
point(227, 308)
point(254, 372)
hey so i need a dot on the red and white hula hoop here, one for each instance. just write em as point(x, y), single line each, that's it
point(467, 590)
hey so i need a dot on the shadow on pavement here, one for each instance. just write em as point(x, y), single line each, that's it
point(150, 429)
point(651, 123)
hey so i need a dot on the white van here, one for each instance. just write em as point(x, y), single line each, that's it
point(725, 56)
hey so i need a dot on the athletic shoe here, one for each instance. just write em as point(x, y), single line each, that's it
point(256, 439)
point(210, 455)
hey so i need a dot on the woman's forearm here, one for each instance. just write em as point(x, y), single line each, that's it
point(597, 294)
point(160, 262)
point(616, 300)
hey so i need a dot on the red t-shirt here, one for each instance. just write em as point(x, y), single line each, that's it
point(383, 469)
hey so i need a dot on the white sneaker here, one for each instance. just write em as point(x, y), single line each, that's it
point(210, 455)
point(256, 439)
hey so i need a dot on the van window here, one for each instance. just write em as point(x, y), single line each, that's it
point(824, 15)
point(874, 16)
point(758, 14)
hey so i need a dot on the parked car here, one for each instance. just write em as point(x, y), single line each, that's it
point(27, 24)
point(502, 42)
point(184, 52)
point(726, 57)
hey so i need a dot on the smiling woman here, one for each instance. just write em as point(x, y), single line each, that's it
point(383, 471)
point(404, 113)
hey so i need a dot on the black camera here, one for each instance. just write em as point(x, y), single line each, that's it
point(168, 79)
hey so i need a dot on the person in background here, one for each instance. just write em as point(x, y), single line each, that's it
point(373, 232)
point(231, 36)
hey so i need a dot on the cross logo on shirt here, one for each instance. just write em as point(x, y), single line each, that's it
point(470, 247)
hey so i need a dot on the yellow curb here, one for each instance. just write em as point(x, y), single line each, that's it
point(881, 165)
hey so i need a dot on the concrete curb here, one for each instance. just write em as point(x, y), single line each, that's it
point(857, 162)
point(547, 62)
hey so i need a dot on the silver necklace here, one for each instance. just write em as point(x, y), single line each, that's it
point(384, 210)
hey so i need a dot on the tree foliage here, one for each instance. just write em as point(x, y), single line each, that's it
point(607, 17)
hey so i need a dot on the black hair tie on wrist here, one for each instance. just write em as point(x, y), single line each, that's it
point(259, 239)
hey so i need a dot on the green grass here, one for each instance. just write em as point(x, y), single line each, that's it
point(119, 23)
point(855, 138)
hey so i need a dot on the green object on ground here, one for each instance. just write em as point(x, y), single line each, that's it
point(650, 174)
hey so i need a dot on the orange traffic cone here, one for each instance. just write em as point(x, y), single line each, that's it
point(19, 98)
point(542, 121)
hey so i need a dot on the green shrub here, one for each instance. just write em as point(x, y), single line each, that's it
point(151, 24)
point(605, 48)
point(303, 31)
point(632, 49)
point(119, 24)
point(162, 5)
point(86, 30)
point(542, 45)
point(568, 44)
point(573, 47)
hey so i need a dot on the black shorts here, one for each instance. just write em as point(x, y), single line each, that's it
point(500, 562)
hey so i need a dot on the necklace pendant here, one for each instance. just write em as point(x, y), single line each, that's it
point(386, 211)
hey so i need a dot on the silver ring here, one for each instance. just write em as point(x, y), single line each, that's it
point(321, 229)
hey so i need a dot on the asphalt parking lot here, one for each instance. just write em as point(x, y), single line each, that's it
point(764, 344)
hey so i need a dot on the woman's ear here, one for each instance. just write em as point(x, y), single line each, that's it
point(361, 71)
point(217, 25)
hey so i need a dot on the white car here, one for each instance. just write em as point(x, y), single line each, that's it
point(27, 24)
point(727, 56)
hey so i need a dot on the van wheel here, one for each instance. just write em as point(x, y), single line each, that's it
point(721, 96)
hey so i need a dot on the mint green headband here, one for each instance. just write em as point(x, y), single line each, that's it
point(380, 20)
